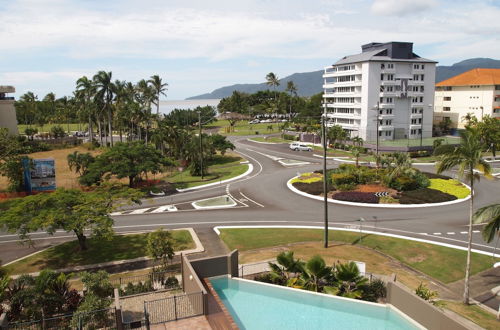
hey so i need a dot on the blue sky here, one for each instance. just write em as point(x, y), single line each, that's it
point(198, 46)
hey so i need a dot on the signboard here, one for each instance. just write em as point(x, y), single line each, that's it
point(40, 175)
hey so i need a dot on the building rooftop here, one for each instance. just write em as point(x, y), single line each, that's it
point(474, 77)
point(7, 89)
point(390, 51)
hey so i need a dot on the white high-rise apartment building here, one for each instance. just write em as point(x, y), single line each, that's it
point(387, 76)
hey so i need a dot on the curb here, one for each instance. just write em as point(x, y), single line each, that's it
point(385, 206)
point(248, 171)
point(250, 140)
point(217, 231)
point(198, 248)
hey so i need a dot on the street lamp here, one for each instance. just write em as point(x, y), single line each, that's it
point(201, 145)
point(361, 220)
point(325, 190)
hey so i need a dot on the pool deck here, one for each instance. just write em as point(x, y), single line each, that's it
point(199, 323)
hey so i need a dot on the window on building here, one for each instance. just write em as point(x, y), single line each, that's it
point(497, 87)
point(379, 133)
point(415, 77)
point(388, 111)
point(446, 109)
point(422, 66)
point(388, 133)
point(382, 66)
point(447, 88)
point(381, 76)
point(390, 88)
point(447, 98)
point(422, 77)
point(422, 89)
point(390, 66)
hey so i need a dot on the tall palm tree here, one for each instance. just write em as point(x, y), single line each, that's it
point(468, 157)
point(292, 89)
point(491, 216)
point(31, 101)
point(316, 274)
point(159, 88)
point(273, 81)
point(104, 91)
point(85, 91)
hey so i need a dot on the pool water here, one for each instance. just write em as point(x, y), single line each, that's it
point(255, 305)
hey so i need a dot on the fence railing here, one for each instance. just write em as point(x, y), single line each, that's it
point(254, 268)
point(145, 283)
point(173, 308)
point(98, 319)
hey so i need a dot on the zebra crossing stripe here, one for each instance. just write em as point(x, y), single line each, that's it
point(139, 211)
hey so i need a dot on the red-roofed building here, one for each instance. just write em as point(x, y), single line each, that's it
point(476, 92)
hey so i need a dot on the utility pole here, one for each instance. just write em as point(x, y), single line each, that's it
point(378, 136)
point(422, 127)
point(325, 184)
point(201, 145)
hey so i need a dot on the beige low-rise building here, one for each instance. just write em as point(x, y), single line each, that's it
point(7, 111)
point(475, 92)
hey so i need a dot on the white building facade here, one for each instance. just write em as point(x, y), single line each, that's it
point(385, 76)
point(475, 92)
point(7, 111)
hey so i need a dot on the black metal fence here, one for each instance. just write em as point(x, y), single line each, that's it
point(173, 308)
point(153, 281)
point(100, 319)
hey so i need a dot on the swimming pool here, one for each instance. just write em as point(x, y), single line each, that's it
point(256, 305)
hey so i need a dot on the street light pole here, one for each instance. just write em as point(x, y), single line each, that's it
point(378, 137)
point(325, 184)
point(201, 145)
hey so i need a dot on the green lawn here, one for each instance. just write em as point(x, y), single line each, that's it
point(47, 127)
point(271, 139)
point(222, 168)
point(244, 128)
point(442, 263)
point(120, 247)
point(474, 313)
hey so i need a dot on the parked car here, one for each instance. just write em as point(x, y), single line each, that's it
point(255, 121)
point(266, 121)
point(300, 147)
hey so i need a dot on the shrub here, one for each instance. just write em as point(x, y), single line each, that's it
point(140, 287)
point(313, 188)
point(290, 137)
point(346, 186)
point(357, 197)
point(452, 187)
point(343, 178)
point(269, 278)
point(435, 176)
point(374, 291)
point(404, 183)
point(57, 132)
point(388, 200)
point(424, 195)
point(307, 178)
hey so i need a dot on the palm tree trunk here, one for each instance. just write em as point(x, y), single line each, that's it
point(99, 128)
point(469, 241)
point(110, 126)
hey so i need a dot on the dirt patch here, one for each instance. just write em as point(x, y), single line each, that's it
point(375, 262)
point(375, 188)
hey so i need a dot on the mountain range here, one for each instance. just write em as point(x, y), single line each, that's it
point(310, 83)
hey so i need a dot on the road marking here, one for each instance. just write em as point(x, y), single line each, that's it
point(251, 200)
point(464, 232)
point(450, 233)
point(476, 231)
point(436, 233)
point(423, 234)
point(139, 211)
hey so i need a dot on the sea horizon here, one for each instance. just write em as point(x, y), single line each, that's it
point(167, 106)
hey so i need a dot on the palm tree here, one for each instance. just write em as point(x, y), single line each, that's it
point(491, 216)
point(468, 157)
point(273, 81)
point(292, 89)
point(104, 91)
point(159, 89)
point(315, 274)
point(287, 265)
point(336, 133)
point(31, 101)
point(349, 281)
point(85, 91)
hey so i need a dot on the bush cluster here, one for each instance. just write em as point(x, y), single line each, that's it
point(313, 188)
point(424, 195)
point(356, 196)
point(452, 187)
point(350, 174)
point(436, 176)
point(290, 137)
point(307, 178)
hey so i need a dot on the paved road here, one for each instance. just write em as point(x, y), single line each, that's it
point(263, 199)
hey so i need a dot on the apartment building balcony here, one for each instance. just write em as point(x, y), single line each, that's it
point(388, 82)
point(388, 70)
point(416, 82)
point(386, 116)
point(385, 127)
point(417, 103)
point(388, 94)
point(355, 115)
point(354, 83)
point(386, 105)
point(415, 115)
point(415, 126)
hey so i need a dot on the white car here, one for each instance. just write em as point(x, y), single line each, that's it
point(300, 147)
point(255, 121)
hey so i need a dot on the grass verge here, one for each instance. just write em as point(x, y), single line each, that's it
point(222, 168)
point(442, 263)
point(243, 128)
point(270, 139)
point(474, 313)
point(120, 247)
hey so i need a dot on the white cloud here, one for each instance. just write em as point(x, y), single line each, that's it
point(401, 7)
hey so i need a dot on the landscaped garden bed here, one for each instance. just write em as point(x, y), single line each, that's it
point(395, 182)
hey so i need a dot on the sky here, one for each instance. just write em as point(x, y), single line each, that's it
point(198, 46)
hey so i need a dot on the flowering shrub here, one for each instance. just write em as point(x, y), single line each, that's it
point(308, 178)
point(356, 196)
point(452, 187)
point(313, 188)
point(424, 195)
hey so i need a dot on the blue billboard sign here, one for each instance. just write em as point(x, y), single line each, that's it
point(39, 174)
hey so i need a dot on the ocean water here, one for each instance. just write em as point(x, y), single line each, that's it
point(169, 105)
point(256, 305)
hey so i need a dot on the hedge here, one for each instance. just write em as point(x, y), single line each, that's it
point(307, 178)
point(452, 187)
point(356, 196)
point(424, 195)
point(314, 188)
